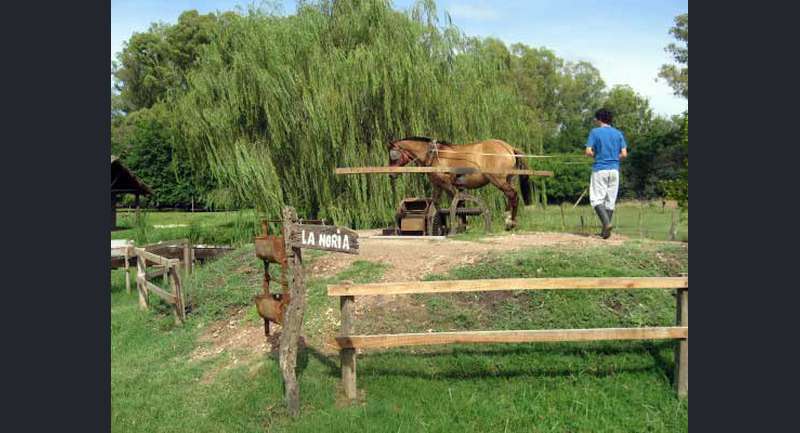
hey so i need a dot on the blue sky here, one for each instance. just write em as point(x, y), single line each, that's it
point(624, 39)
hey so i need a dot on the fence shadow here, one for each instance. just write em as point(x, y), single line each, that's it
point(660, 364)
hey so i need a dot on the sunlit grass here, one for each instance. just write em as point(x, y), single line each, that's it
point(569, 387)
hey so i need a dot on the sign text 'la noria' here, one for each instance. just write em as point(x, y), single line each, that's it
point(329, 238)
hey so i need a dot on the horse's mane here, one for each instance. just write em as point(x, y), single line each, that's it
point(421, 138)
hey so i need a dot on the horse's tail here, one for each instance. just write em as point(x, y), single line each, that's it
point(524, 184)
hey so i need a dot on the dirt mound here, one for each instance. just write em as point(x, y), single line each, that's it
point(412, 259)
point(240, 339)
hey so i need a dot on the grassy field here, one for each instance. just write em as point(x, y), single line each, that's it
point(156, 386)
point(633, 219)
point(231, 227)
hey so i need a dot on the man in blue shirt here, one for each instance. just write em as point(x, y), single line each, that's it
point(607, 145)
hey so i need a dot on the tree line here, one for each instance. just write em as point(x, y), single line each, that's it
point(256, 109)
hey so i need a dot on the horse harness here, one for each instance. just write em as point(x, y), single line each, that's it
point(431, 156)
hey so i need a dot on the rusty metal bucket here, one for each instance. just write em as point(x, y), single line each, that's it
point(271, 248)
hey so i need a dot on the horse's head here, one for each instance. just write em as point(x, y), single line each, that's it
point(399, 155)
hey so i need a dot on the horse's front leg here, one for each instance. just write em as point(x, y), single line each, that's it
point(513, 204)
point(511, 201)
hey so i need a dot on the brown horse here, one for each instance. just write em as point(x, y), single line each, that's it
point(487, 156)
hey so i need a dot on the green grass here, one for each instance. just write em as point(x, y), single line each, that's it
point(237, 227)
point(569, 387)
point(642, 220)
point(233, 227)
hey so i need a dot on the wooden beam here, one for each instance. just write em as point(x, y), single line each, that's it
point(527, 336)
point(508, 284)
point(292, 318)
point(163, 294)
point(157, 272)
point(175, 285)
point(127, 270)
point(348, 355)
point(141, 271)
point(390, 170)
point(187, 258)
point(164, 244)
point(141, 252)
point(455, 170)
point(682, 350)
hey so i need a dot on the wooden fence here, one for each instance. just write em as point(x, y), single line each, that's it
point(180, 249)
point(165, 268)
point(348, 341)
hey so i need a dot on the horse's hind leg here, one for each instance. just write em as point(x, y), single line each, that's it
point(511, 200)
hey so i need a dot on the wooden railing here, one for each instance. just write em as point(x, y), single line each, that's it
point(180, 249)
point(167, 269)
point(348, 341)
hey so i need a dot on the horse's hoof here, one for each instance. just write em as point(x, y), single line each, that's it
point(511, 225)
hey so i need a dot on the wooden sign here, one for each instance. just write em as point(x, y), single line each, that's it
point(328, 238)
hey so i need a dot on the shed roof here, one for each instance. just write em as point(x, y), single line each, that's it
point(125, 182)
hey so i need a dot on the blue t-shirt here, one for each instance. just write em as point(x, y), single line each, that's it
point(606, 142)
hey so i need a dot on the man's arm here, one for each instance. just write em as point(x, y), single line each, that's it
point(624, 153)
point(589, 151)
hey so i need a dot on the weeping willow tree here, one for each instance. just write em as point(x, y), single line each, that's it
point(277, 103)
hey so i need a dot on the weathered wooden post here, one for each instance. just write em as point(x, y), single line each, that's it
point(127, 252)
point(141, 269)
point(682, 351)
point(293, 320)
point(187, 257)
point(177, 290)
point(348, 356)
point(297, 236)
point(673, 229)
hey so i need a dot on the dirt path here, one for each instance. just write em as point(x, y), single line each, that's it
point(412, 259)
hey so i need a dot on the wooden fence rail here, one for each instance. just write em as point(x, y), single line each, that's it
point(168, 269)
point(454, 170)
point(348, 341)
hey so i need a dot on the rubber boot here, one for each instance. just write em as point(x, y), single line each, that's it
point(610, 213)
point(602, 213)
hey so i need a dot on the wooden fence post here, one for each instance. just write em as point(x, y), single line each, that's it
point(682, 350)
point(177, 290)
point(673, 230)
point(141, 270)
point(563, 220)
point(127, 270)
point(165, 282)
point(293, 319)
point(348, 356)
point(187, 258)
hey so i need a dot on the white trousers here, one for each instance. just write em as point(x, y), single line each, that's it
point(603, 188)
